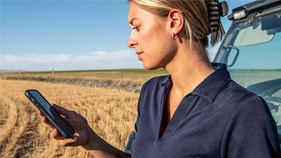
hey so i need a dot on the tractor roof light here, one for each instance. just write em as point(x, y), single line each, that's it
point(239, 14)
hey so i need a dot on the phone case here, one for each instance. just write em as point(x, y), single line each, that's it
point(51, 113)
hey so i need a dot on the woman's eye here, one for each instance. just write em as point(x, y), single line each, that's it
point(135, 28)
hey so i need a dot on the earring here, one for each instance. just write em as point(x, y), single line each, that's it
point(174, 36)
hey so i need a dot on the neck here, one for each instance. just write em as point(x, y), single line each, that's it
point(188, 69)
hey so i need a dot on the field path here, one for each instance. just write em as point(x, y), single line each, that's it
point(111, 113)
point(18, 123)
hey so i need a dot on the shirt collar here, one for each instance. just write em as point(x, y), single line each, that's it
point(211, 86)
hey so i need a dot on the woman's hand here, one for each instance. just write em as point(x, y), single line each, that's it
point(84, 136)
point(80, 125)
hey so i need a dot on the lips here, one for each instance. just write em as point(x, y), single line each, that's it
point(139, 55)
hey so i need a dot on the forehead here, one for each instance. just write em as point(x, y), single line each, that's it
point(137, 13)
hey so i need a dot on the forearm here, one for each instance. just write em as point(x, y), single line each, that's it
point(101, 149)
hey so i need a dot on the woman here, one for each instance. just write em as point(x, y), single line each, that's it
point(195, 111)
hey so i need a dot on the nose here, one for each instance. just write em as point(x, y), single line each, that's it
point(133, 39)
point(131, 43)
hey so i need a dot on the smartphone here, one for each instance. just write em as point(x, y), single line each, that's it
point(49, 112)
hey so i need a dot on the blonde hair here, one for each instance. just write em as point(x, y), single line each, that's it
point(201, 17)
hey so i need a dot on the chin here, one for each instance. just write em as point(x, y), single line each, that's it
point(150, 67)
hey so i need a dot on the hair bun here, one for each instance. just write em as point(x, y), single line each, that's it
point(216, 10)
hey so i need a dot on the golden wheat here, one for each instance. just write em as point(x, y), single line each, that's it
point(110, 112)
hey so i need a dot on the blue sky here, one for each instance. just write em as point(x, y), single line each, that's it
point(68, 34)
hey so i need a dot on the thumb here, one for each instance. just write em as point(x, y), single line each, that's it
point(61, 110)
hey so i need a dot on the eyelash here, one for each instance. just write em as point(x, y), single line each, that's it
point(136, 28)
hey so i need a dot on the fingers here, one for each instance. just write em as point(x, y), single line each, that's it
point(56, 134)
point(69, 142)
point(62, 141)
point(45, 120)
point(79, 124)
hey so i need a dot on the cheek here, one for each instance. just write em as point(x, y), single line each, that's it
point(158, 54)
point(157, 46)
point(155, 41)
point(160, 43)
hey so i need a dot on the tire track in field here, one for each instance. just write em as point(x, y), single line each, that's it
point(3, 114)
point(9, 120)
point(29, 138)
point(22, 133)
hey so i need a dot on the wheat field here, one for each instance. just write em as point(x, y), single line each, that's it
point(110, 112)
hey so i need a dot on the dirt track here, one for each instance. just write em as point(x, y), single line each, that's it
point(18, 125)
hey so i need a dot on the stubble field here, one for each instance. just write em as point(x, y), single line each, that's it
point(107, 99)
point(110, 111)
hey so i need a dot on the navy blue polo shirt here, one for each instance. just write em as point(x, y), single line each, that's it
point(217, 119)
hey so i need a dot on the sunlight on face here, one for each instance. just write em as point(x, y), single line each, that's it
point(150, 36)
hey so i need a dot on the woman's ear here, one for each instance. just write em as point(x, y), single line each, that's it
point(176, 21)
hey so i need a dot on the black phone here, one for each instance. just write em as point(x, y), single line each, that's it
point(51, 113)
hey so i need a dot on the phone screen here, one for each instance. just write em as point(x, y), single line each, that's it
point(51, 114)
point(42, 101)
